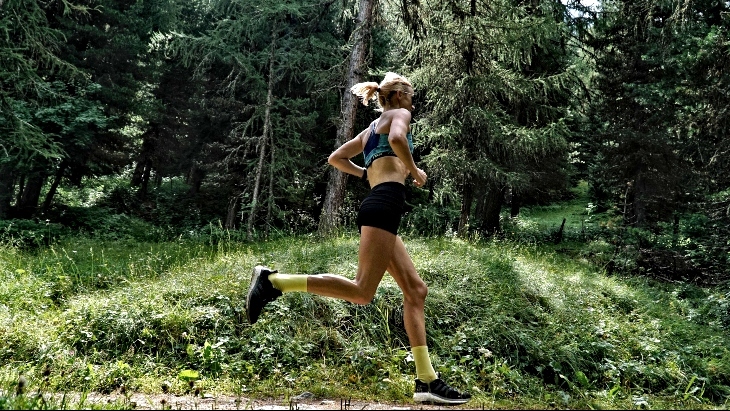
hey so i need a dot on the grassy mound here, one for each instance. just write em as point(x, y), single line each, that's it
point(516, 325)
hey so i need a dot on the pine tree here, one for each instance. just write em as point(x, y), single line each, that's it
point(659, 127)
point(111, 44)
point(31, 59)
point(264, 66)
point(498, 79)
point(334, 197)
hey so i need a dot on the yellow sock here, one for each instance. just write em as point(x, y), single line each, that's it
point(424, 369)
point(287, 283)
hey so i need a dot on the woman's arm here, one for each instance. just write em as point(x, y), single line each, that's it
point(399, 143)
point(340, 158)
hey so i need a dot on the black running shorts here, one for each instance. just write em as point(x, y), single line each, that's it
point(383, 207)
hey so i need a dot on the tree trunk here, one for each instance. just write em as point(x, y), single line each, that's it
point(139, 169)
point(468, 188)
point(233, 201)
point(558, 238)
point(330, 220)
point(257, 183)
point(21, 188)
point(466, 201)
point(491, 208)
point(143, 168)
point(514, 203)
point(136, 179)
point(31, 195)
point(232, 211)
point(270, 208)
point(7, 179)
point(195, 179)
point(640, 198)
point(145, 180)
point(54, 186)
point(264, 139)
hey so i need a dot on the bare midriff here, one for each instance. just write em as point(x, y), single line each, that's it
point(387, 169)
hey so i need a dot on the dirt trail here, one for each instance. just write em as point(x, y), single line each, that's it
point(305, 401)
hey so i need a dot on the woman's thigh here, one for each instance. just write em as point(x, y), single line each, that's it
point(403, 271)
point(374, 255)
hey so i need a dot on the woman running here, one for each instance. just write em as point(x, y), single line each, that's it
point(387, 146)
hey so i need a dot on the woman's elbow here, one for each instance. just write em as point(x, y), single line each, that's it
point(397, 138)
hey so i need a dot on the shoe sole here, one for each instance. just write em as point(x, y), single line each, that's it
point(254, 279)
point(427, 397)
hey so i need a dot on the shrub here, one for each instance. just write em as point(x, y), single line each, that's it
point(431, 220)
point(706, 241)
point(30, 233)
point(108, 224)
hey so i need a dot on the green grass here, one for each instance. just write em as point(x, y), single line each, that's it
point(518, 325)
point(578, 212)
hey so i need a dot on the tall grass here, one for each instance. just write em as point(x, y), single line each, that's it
point(517, 325)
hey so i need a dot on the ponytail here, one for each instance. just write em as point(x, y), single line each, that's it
point(366, 91)
point(382, 92)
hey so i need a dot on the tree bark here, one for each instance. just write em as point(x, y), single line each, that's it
point(54, 186)
point(329, 219)
point(491, 208)
point(514, 210)
point(7, 179)
point(232, 211)
point(467, 199)
point(145, 180)
point(264, 139)
point(558, 238)
point(640, 198)
point(195, 180)
point(138, 171)
point(21, 188)
point(31, 195)
point(145, 161)
point(257, 184)
point(270, 204)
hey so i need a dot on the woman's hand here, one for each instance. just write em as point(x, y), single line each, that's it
point(420, 178)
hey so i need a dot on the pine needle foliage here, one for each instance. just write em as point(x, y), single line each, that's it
point(497, 79)
point(657, 135)
point(28, 48)
point(272, 68)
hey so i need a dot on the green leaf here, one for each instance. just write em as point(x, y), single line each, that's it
point(188, 375)
point(582, 379)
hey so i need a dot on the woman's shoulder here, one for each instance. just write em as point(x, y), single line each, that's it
point(401, 113)
point(386, 119)
point(398, 113)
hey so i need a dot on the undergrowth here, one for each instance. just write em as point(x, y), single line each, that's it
point(517, 325)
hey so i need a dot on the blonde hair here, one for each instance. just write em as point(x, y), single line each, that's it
point(382, 92)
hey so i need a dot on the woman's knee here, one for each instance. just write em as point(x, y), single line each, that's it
point(416, 292)
point(364, 296)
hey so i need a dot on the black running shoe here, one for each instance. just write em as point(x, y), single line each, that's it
point(438, 392)
point(260, 292)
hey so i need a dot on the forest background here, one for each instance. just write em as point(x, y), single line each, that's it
point(162, 121)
